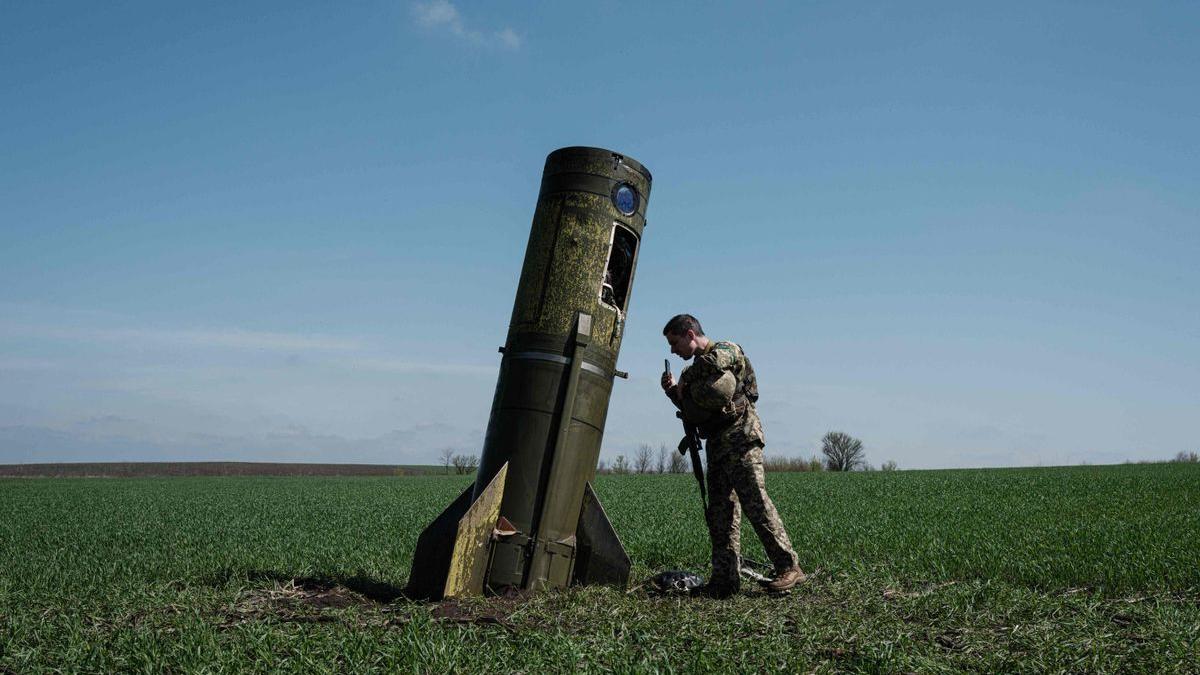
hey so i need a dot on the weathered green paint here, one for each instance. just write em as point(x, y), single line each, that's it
point(435, 548)
point(472, 541)
point(556, 376)
point(565, 262)
point(564, 265)
point(601, 559)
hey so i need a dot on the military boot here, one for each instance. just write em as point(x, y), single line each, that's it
point(716, 591)
point(785, 580)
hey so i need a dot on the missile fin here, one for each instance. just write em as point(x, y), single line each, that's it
point(599, 556)
point(431, 560)
point(473, 543)
point(452, 552)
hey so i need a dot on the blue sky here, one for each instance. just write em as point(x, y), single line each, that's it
point(965, 233)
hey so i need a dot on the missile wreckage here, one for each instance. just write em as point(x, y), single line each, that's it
point(532, 520)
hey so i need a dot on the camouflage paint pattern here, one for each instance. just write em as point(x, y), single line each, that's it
point(736, 483)
point(708, 398)
point(734, 450)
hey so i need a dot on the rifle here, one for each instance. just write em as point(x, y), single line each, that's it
point(690, 444)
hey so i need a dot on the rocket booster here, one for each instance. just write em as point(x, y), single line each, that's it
point(532, 520)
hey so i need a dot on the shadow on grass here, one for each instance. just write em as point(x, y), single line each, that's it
point(371, 589)
point(287, 597)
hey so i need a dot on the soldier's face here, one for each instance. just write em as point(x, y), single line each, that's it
point(683, 346)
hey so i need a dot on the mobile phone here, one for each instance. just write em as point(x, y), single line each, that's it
point(667, 366)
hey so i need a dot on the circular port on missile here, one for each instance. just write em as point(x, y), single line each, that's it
point(625, 198)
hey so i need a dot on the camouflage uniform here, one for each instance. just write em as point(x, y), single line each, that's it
point(734, 450)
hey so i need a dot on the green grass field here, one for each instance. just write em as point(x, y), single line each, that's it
point(1083, 569)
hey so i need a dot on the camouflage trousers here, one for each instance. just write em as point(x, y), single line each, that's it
point(736, 483)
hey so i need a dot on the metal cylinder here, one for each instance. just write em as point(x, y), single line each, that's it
point(558, 364)
point(532, 519)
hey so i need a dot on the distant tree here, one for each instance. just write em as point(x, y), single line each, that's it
point(1186, 457)
point(777, 464)
point(643, 458)
point(678, 463)
point(620, 466)
point(601, 468)
point(662, 459)
point(889, 465)
point(447, 458)
point(464, 464)
point(843, 452)
point(797, 464)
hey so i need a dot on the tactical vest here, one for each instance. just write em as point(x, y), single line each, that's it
point(744, 397)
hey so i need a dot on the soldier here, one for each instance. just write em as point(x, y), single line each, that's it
point(717, 395)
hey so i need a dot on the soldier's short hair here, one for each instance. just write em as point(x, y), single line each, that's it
point(682, 323)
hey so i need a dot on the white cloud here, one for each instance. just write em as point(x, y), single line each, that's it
point(388, 365)
point(318, 349)
point(238, 339)
point(115, 439)
point(438, 13)
point(509, 38)
point(8, 363)
point(229, 338)
point(442, 15)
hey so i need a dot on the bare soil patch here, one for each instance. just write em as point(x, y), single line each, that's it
point(294, 600)
point(300, 600)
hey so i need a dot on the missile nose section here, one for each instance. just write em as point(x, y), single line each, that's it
point(532, 519)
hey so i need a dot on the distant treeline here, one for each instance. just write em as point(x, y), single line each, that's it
point(150, 469)
point(645, 460)
point(648, 460)
point(841, 451)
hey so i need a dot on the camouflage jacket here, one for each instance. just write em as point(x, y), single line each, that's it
point(729, 420)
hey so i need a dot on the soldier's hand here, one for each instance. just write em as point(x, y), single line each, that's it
point(668, 381)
